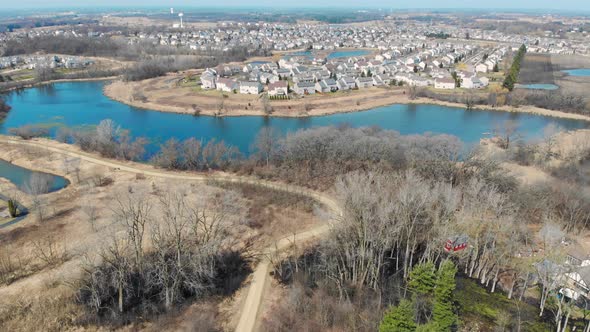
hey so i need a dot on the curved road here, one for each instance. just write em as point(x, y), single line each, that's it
point(251, 306)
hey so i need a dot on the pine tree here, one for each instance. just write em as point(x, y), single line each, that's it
point(443, 314)
point(422, 278)
point(399, 318)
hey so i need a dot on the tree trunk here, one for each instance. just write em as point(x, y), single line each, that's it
point(567, 317)
point(495, 280)
point(524, 287)
point(120, 297)
point(511, 291)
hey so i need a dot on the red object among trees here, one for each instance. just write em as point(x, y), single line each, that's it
point(456, 243)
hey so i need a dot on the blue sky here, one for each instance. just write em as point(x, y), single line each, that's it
point(573, 5)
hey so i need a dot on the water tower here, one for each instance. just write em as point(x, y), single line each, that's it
point(181, 15)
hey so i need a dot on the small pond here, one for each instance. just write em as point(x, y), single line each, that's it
point(584, 72)
point(540, 86)
point(20, 176)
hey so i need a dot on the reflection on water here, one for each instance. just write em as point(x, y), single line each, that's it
point(82, 104)
point(20, 176)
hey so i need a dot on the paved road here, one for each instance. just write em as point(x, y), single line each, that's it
point(251, 307)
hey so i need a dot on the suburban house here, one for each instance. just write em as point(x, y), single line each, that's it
point(304, 88)
point(226, 84)
point(383, 79)
point(481, 68)
point(267, 78)
point(419, 81)
point(444, 83)
point(364, 82)
point(472, 83)
point(579, 281)
point(328, 85)
point(207, 82)
point(280, 88)
point(346, 83)
point(250, 88)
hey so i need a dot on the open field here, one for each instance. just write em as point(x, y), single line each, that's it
point(538, 69)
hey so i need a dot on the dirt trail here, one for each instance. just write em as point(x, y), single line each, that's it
point(251, 307)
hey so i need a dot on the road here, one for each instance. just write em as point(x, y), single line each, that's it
point(251, 307)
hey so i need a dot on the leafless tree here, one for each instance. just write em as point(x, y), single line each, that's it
point(266, 144)
point(72, 165)
point(133, 211)
point(507, 132)
point(38, 185)
point(192, 149)
point(90, 212)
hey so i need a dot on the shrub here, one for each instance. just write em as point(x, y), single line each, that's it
point(28, 132)
point(12, 208)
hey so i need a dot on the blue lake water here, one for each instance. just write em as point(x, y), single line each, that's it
point(538, 86)
point(578, 72)
point(20, 176)
point(333, 55)
point(78, 104)
point(348, 54)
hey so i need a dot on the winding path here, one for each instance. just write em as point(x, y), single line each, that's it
point(251, 307)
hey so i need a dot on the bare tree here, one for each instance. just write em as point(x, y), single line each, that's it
point(38, 184)
point(90, 212)
point(72, 165)
point(507, 132)
point(133, 211)
point(266, 144)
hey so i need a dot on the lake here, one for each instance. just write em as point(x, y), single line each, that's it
point(578, 72)
point(20, 176)
point(332, 55)
point(82, 104)
point(539, 86)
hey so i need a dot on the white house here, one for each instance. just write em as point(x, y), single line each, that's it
point(444, 83)
point(581, 281)
point(346, 83)
point(226, 84)
point(304, 88)
point(328, 85)
point(208, 82)
point(250, 88)
point(472, 83)
point(280, 88)
point(364, 82)
point(481, 68)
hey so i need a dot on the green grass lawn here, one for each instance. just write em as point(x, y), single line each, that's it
point(488, 310)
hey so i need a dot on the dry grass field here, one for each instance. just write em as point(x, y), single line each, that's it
point(43, 260)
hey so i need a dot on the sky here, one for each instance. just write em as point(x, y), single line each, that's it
point(573, 5)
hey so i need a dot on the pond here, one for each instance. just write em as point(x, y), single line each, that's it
point(82, 104)
point(539, 86)
point(584, 72)
point(20, 176)
point(332, 55)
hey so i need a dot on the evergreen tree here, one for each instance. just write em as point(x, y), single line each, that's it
point(443, 314)
point(422, 278)
point(399, 318)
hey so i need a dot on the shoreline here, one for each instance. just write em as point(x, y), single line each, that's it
point(114, 92)
point(62, 80)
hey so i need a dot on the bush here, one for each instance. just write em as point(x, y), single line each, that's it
point(12, 208)
point(29, 131)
